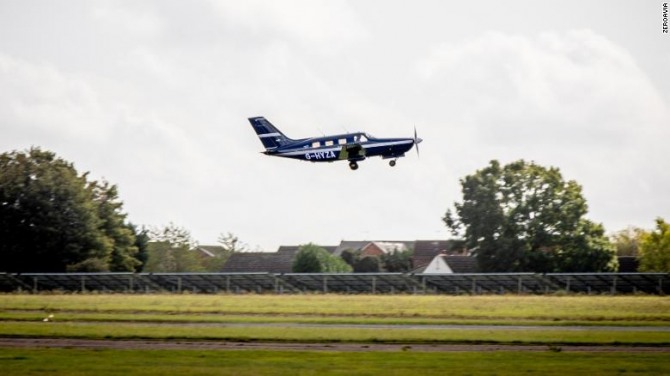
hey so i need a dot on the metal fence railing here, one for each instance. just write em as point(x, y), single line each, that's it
point(352, 283)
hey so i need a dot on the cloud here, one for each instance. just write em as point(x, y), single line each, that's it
point(154, 96)
point(88, 121)
point(324, 25)
point(139, 21)
point(572, 99)
point(46, 103)
point(161, 109)
point(564, 83)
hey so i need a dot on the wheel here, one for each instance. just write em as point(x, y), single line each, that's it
point(392, 163)
point(353, 165)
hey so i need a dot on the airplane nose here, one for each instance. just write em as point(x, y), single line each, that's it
point(417, 141)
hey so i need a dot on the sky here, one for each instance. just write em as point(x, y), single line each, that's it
point(153, 96)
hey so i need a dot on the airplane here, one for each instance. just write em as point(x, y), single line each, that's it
point(352, 147)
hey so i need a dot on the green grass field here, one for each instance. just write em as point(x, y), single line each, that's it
point(180, 362)
point(336, 319)
point(557, 309)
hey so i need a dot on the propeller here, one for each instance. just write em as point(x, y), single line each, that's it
point(417, 141)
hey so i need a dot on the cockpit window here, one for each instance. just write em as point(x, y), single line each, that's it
point(360, 138)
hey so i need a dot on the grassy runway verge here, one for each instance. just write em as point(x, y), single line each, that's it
point(507, 308)
point(606, 320)
point(313, 318)
point(325, 334)
point(171, 362)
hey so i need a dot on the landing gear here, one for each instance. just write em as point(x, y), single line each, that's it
point(353, 165)
point(392, 163)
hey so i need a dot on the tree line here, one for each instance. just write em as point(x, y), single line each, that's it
point(519, 217)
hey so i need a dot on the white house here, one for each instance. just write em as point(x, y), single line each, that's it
point(444, 264)
point(438, 265)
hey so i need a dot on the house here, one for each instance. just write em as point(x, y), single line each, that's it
point(373, 247)
point(295, 248)
point(448, 264)
point(282, 260)
point(259, 262)
point(426, 250)
point(383, 248)
point(351, 245)
point(265, 262)
point(208, 251)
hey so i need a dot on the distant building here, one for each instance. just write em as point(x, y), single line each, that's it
point(383, 248)
point(206, 251)
point(373, 247)
point(426, 250)
point(259, 262)
point(265, 262)
point(445, 264)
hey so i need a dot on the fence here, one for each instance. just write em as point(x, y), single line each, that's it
point(351, 283)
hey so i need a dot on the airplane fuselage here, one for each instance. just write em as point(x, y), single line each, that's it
point(344, 147)
point(352, 147)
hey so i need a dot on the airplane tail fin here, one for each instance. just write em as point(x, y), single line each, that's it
point(270, 136)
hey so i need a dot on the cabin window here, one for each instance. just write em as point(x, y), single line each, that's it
point(361, 138)
point(316, 144)
point(342, 141)
point(330, 143)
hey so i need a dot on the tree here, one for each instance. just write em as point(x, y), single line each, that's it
point(360, 263)
point(142, 244)
point(368, 264)
point(655, 249)
point(52, 219)
point(119, 234)
point(170, 250)
point(397, 261)
point(586, 250)
point(168, 258)
point(524, 217)
point(230, 244)
point(175, 235)
point(350, 256)
point(313, 259)
point(307, 260)
point(627, 241)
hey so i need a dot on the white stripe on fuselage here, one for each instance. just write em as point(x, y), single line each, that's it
point(335, 148)
point(268, 135)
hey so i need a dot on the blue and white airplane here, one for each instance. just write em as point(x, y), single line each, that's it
point(352, 147)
